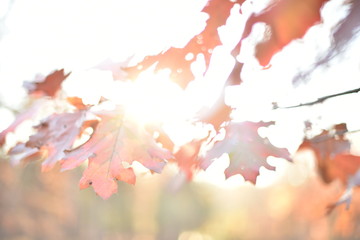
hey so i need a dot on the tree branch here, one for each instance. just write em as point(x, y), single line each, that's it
point(319, 100)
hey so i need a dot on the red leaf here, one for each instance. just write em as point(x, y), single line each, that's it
point(48, 86)
point(334, 161)
point(187, 157)
point(203, 43)
point(287, 20)
point(114, 145)
point(247, 150)
point(332, 154)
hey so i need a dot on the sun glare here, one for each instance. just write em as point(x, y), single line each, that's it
point(124, 30)
point(151, 98)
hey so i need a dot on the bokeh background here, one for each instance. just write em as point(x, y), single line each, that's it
point(37, 205)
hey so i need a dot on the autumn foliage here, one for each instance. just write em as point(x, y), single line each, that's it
point(105, 139)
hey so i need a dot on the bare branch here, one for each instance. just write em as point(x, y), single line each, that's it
point(319, 100)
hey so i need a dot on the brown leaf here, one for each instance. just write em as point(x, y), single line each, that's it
point(48, 86)
point(332, 154)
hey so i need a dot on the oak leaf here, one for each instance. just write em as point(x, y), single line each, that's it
point(247, 150)
point(21, 153)
point(332, 154)
point(27, 114)
point(48, 86)
point(334, 160)
point(287, 20)
point(176, 58)
point(112, 148)
point(54, 135)
point(104, 182)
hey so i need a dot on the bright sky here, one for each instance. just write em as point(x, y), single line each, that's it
point(40, 36)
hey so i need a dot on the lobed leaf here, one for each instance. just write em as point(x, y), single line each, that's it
point(111, 149)
point(203, 43)
point(49, 86)
point(247, 150)
point(332, 154)
point(54, 136)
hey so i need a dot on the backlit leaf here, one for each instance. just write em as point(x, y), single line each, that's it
point(247, 150)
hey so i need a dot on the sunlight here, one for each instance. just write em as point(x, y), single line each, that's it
point(152, 98)
point(89, 85)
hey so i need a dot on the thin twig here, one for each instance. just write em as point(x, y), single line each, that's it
point(319, 100)
point(353, 131)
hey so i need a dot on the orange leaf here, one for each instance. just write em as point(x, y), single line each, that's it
point(287, 20)
point(176, 60)
point(332, 154)
point(48, 86)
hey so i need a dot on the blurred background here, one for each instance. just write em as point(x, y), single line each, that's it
point(38, 36)
point(36, 205)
